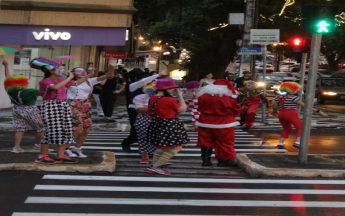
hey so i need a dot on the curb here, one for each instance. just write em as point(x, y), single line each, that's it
point(256, 170)
point(108, 165)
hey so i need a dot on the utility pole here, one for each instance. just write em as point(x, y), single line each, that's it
point(248, 24)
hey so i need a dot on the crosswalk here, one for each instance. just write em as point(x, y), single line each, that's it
point(106, 195)
point(244, 143)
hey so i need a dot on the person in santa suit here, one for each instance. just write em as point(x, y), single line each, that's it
point(216, 125)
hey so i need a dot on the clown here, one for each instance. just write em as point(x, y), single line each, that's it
point(143, 121)
point(250, 100)
point(78, 99)
point(287, 103)
point(191, 100)
point(25, 113)
point(216, 124)
point(55, 110)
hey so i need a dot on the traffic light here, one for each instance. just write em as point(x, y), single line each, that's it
point(297, 44)
point(319, 18)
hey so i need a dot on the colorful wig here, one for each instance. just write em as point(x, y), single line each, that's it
point(149, 89)
point(289, 87)
point(16, 82)
point(192, 84)
point(249, 84)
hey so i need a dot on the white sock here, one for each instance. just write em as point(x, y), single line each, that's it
point(297, 143)
point(281, 144)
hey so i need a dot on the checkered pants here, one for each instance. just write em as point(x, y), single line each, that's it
point(57, 117)
point(141, 125)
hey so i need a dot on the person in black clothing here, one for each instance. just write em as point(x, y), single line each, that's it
point(247, 75)
point(137, 79)
point(109, 94)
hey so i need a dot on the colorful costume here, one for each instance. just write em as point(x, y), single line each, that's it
point(218, 108)
point(56, 112)
point(143, 120)
point(250, 100)
point(288, 114)
point(25, 112)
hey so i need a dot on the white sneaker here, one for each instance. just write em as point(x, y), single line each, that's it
point(70, 154)
point(37, 148)
point(17, 150)
point(79, 153)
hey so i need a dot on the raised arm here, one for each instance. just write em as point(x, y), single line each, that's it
point(136, 85)
point(7, 70)
point(63, 83)
point(111, 72)
point(83, 79)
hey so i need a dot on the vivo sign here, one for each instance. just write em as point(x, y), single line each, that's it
point(48, 35)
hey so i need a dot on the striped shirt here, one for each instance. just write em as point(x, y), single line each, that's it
point(289, 103)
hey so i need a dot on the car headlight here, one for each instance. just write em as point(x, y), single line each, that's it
point(329, 93)
point(261, 84)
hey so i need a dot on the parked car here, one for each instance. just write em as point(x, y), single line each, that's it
point(268, 67)
point(286, 76)
point(340, 73)
point(330, 89)
point(285, 66)
point(260, 71)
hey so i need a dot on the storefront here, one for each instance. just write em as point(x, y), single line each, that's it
point(54, 41)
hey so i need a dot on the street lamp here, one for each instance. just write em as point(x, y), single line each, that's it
point(159, 50)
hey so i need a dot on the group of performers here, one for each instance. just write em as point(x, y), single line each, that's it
point(154, 103)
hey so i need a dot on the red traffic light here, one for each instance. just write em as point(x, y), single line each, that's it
point(297, 42)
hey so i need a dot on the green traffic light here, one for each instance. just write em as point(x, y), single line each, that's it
point(323, 27)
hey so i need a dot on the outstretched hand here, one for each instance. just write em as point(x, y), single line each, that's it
point(163, 73)
point(4, 62)
point(112, 62)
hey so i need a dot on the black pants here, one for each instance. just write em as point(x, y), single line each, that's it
point(108, 103)
point(132, 138)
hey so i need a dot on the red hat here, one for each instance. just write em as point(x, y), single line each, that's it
point(225, 83)
point(167, 83)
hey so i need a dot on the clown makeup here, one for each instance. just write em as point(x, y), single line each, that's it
point(79, 72)
point(60, 71)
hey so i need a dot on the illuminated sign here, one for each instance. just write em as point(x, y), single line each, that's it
point(48, 35)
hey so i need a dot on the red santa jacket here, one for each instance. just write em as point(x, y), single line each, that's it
point(218, 111)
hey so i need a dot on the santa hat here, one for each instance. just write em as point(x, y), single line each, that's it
point(220, 87)
point(289, 87)
point(16, 82)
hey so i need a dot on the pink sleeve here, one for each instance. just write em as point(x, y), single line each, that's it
point(44, 85)
point(69, 84)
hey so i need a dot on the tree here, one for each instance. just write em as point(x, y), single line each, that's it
point(188, 24)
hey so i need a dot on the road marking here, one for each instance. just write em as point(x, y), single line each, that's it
point(182, 202)
point(187, 190)
point(237, 150)
point(194, 180)
point(136, 144)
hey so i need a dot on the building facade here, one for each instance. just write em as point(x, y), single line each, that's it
point(51, 28)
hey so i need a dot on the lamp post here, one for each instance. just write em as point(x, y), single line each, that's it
point(159, 50)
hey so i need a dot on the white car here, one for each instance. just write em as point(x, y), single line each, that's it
point(285, 66)
point(268, 67)
point(286, 76)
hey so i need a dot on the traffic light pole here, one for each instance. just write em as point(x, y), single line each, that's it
point(264, 81)
point(301, 79)
point(309, 96)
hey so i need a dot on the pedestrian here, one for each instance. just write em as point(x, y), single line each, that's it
point(191, 100)
point(208, 80)
point(165, 132)
point(216, 125)
point(247, 75)
point(287, 103)
point(78, 99)
point(251, 97)
point(25, 113)
point(95, 93)
point(109, 95)
point(143, 120)
point(55, 111)
point(137, 79)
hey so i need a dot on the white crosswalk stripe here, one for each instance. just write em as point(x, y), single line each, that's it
point(244, 142)
point(117, 195)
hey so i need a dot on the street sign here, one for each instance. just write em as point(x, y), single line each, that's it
point(264, 36)
point(250, 51)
